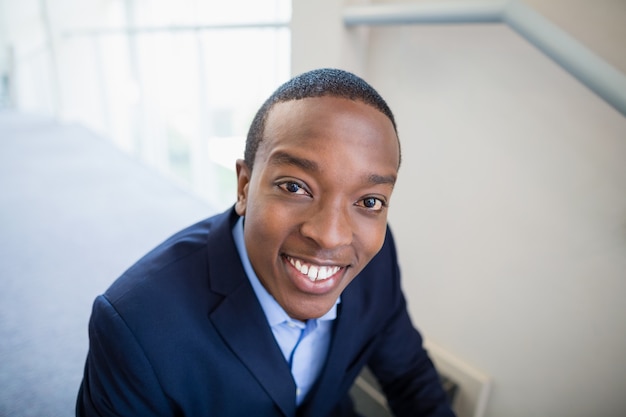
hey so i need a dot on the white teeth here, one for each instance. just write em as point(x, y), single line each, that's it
point(323, 273)
point(314, 272)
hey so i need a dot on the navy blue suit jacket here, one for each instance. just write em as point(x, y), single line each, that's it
point(181, 333)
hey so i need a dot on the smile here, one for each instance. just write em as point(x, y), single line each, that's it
point(314, 272)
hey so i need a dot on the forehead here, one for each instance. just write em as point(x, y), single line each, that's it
point(329, 123)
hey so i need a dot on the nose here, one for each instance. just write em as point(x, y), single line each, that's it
point(329, 225)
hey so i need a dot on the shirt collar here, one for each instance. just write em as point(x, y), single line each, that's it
point(273, 311)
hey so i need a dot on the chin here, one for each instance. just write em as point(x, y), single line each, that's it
point(312, 311)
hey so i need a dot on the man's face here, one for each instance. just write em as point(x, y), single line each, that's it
point(315, 204)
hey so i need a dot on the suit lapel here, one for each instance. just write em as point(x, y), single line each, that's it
point(241, 322)
point(247, 333)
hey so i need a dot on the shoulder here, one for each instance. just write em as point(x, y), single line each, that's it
point(180, 257)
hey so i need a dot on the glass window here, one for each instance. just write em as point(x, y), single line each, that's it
point(180, 89)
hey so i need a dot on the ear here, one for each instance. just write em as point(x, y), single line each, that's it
point(243, 182)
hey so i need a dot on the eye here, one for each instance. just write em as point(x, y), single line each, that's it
point(293, 187)
point(372, 203)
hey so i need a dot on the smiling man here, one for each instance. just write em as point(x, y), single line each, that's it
point(273, 307)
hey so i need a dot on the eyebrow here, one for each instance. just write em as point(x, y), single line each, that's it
point(284, 158)
point(382, 179)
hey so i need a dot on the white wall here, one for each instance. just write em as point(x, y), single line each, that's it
point(510, 212)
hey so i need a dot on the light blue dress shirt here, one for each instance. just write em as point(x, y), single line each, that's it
point(304, 344)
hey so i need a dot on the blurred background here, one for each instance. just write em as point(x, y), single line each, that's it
point(173, 84)
point(121, 119)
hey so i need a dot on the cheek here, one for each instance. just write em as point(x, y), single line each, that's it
point(265, 227)
point(372, 240)
point(270, 218)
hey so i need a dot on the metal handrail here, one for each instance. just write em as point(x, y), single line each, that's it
point(591, 70)
point(134, 30)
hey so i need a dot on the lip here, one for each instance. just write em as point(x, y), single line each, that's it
point(318, 287)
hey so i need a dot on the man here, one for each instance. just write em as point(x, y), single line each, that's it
point(273, 307)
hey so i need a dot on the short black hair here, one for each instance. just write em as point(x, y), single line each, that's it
point(316, 83)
